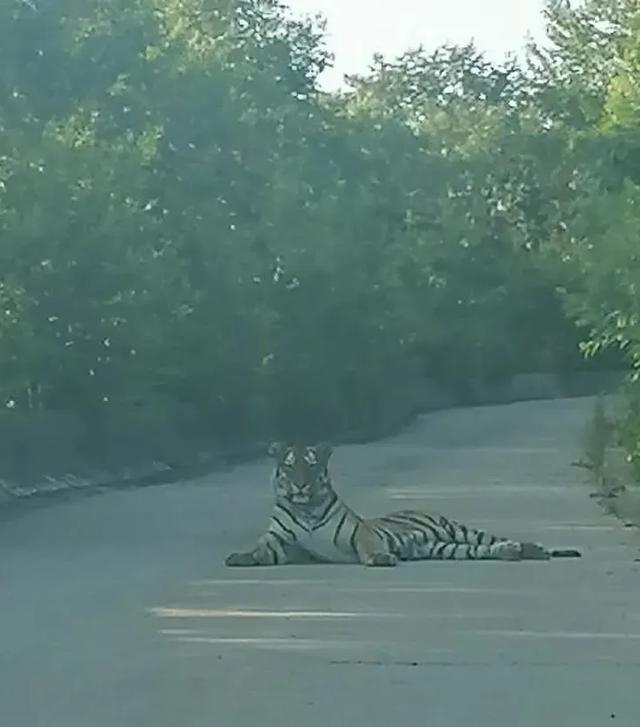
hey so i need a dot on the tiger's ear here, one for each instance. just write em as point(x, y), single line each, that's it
point(324, 452)
point(275, 450)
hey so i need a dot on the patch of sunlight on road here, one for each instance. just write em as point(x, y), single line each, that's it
point(559, 635)
point(241, 613)
point(285, 643)
point(375, 590)
point(260, 582)
point(519, 592)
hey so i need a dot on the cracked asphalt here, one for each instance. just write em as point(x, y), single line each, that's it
point(117, 611)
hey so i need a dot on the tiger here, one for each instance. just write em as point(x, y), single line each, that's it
point(311, 523)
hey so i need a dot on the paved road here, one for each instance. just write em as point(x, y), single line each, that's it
point(116, 611)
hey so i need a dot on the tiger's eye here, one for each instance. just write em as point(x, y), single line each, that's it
point(310, 457)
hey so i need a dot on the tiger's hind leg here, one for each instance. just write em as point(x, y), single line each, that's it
point(426, 536)
point(372, 548)
point(507, 550)
point(534, 551)
point(439, 529)
point(512, 550)
point(496, 546)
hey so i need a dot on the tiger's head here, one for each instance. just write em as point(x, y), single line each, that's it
point(301, 475)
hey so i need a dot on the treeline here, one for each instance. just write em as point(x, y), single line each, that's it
point(186, 217)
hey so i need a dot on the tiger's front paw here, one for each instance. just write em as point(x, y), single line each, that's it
point(235, 560)
point(382, 560)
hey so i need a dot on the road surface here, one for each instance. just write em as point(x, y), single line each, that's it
point(117, 611)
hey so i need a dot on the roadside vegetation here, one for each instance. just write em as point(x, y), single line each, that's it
point(186, 217)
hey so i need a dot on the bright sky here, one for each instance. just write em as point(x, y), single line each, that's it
point(359, 28)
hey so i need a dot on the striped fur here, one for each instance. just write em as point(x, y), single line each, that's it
point(310, 522)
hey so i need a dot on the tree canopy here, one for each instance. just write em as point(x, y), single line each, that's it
point(186, 216)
